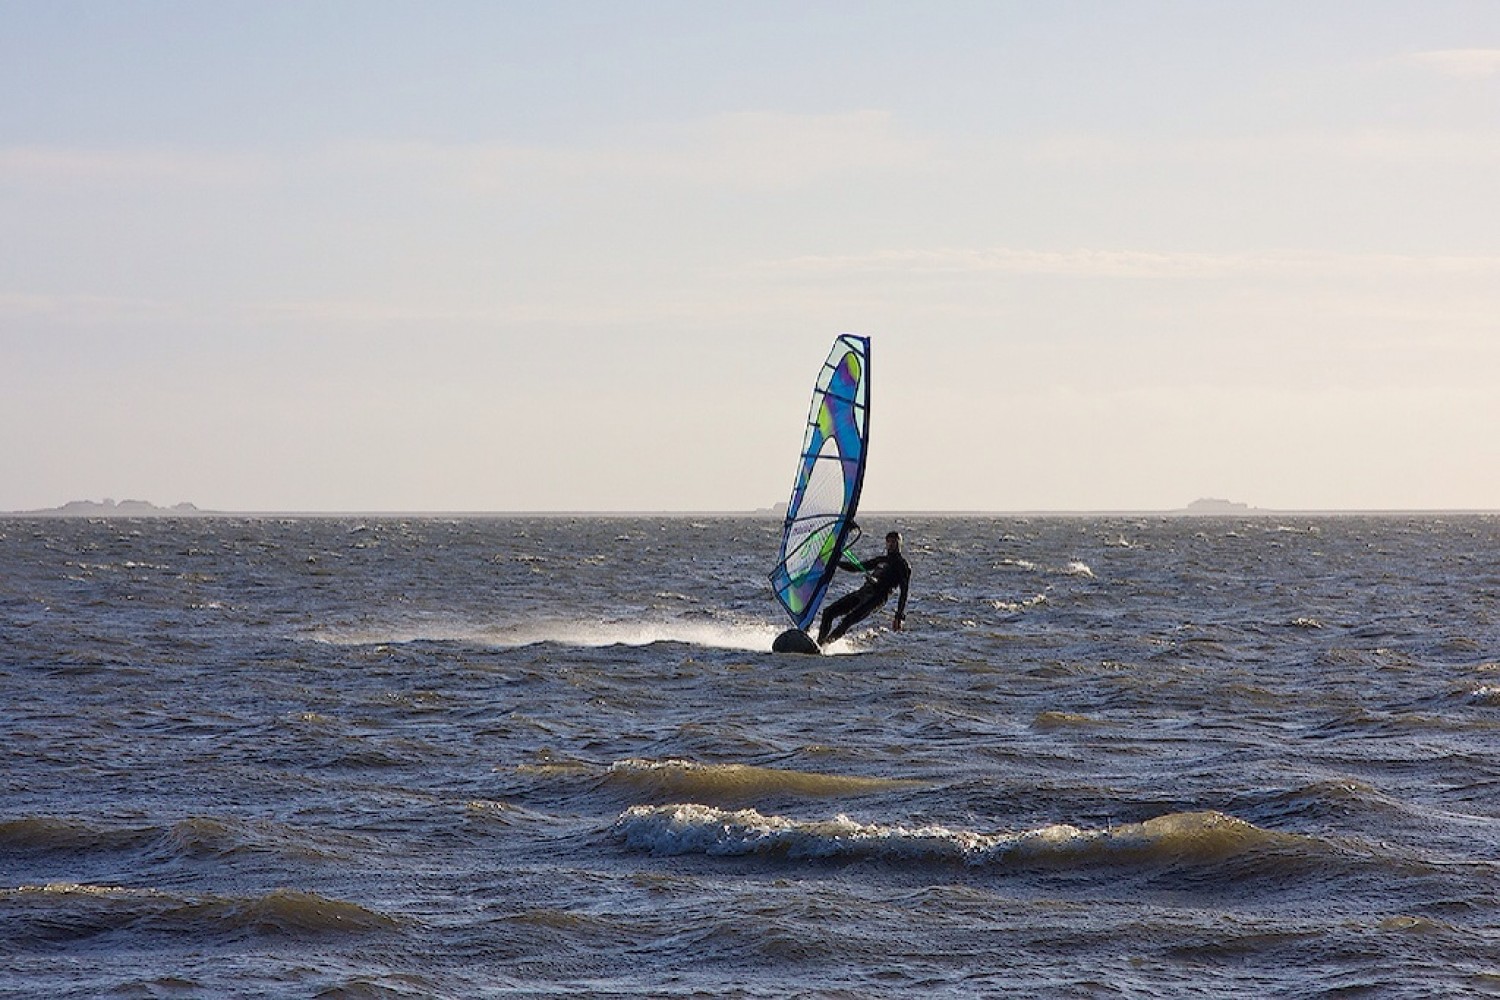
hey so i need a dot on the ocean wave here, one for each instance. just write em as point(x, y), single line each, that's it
point(1325, 800)
point(193, 836)
point(73, 911)
point(67, 834)
point(1016, 606)
point(505, 814)
point(1174, 840)
point(723, 783)
point(1053, 719)
point(1074, 567)
point(1485, 694)
point(209, 836)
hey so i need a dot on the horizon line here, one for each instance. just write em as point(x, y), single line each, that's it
point(144, 509)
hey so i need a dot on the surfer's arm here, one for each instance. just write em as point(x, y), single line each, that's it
point(853, 565)
point(900, 617)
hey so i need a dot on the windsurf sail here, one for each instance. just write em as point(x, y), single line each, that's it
point(830, 473)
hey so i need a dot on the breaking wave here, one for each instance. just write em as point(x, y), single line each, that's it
point(1174, 840)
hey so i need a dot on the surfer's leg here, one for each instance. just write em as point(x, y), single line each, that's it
point(838, 607)
point(834, 610)
point(861, 610)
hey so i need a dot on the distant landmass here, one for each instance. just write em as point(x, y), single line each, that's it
point(1213, 505)
point(1204, 507)
point(113, 508)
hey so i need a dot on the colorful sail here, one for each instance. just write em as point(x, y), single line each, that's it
point(830, 473)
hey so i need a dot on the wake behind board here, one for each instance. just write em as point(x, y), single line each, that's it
point(794, 640)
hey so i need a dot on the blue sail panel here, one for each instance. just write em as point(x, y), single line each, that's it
point(830, 474)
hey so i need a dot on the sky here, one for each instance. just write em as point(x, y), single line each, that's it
point(580, 255)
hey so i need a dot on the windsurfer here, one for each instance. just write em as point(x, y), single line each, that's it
point(883, 574)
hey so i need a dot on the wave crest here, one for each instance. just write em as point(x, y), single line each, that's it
point(53, 833)
point(721, 783)
point(1176, 839)
point(73, 911)
point(193, 836)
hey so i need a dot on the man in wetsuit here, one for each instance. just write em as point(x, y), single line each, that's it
point(883, 574)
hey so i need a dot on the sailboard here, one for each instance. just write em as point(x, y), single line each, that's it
point(825, 493)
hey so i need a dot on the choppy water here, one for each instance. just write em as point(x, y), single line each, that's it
point(465, 758)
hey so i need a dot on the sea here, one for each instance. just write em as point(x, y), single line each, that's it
point(392, 757)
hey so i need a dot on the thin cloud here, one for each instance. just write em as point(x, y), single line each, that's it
point(86, 309)
point(1365, 145)
point(383, 313)
point(135, 165)
point(1133, 263)
point(1460, 63)
point(754, 150)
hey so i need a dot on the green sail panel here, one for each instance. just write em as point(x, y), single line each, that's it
point(830, 474)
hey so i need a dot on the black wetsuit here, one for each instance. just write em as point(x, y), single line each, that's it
point(883, 575)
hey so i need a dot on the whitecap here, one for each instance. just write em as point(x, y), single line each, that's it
point(692, 828)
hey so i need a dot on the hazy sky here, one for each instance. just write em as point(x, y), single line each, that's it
point(590, 255)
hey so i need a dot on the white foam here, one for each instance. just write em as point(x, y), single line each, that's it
point(1487, 694)
point(749, 635)
point(1030, 602)
point(699, 829)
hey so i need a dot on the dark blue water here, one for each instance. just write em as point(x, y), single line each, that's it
point(461, 758)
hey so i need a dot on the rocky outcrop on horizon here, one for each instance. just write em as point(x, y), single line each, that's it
point(1213, 505)
point(113, 508)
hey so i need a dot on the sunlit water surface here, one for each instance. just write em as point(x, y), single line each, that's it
point(467, 758)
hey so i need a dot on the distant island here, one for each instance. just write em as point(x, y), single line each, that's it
point(113, 508)
point(1204, 507)
point(1214, 506)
